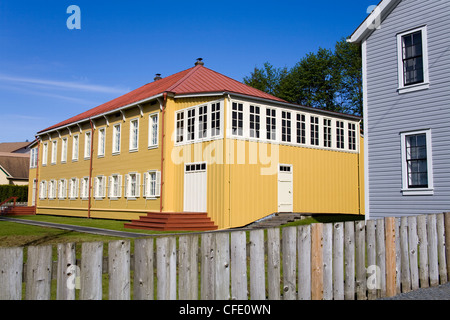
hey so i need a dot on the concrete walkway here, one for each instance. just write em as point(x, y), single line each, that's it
point(102, 232)
point(441, 292)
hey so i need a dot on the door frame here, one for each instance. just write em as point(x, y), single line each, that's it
point(291, 171)
point(203, 168)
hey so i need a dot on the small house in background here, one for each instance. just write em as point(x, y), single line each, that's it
point(14, 163)
point(406, 73)
point(197, 150)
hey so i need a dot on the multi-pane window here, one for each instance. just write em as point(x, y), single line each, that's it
point(73, 188)
point(75, 144)
point(44, 153)
point(416, 161)
point(180, 126)
point(413, 71)
point(85, 188)
point(100, 186)
point(87, 145)
point(327, 133)
point(286, 126)
point(314, 127)
point(190, 125)
point(62, 189)
point(101, 141)
point(116, 138)
point(153, 131)
point(352, 136)
point(237, 119)
point(301, 128)
point(215, 119)
point(254, 121)
point(271, 124)
point(132, 185)
point(134, 134)
point(33, 158)
point(340, 134)
point(64, 150)
point(115, 186)
point(152, 184)
point(54, 151)
point(202, 122)
point(52, 189)
point(43, 189)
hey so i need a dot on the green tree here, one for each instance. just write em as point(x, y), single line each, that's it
point(266, 79)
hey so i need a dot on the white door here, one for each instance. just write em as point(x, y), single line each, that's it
point(285, 188)
point(195, 187)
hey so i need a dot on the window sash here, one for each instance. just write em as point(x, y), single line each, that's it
point(255, 121)
point(87, 145)
point(101, 141)
point(237, 119)
point(134, 134)
point(153, 131)
point(285, 126)
point(202, 122)
point(215, 119)
point(340, 135)
point(75, 147)
point(314, 131)
point(116, 141)
point(301, 128)
point(416, 161)
point(413, 71)
point(271, 124)
point(327, 133)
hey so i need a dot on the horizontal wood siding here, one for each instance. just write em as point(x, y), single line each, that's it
point(390, 113)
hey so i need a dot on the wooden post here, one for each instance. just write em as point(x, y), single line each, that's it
point(447, 241)
point(423, 251)
point(238, 266)
point(413, 242)
point(440, 228)
point(166, 268)
point(338, 261)
point(316, 261)
point(39, 273)
point(67, 277)
point(373, 280)
point(404, 255)
point(390, 257)
point(289, 243)
point(360, 260)
point(327, 245)
point(208, 268)
point(143, 285)
point(119, 270)
point(273, 263)
point(381, 256)
point(349, 260)
point(257, 270)
point(223, 265)
point(91, 270)
point(304, 262)
point(11, 269)
point(432, 250)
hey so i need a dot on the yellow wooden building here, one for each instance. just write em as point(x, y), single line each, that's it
point(200, 149)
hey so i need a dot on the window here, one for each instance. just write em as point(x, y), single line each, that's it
point(115, 186)
point(116, 139)
point(153, 131)
point(101, 142)
point(73, 188)
point(43, 189)
point(134, 134)
point(87, 145)
point(202, 122)
point(152, 184)
point(314, 131)
point(286, 126)
point(215, 119)
point(52, 189)
point(75, 147)
point(99, 187)
point(132, 185)
point(327, 133)
point(413, 60)
point(340, 134)
point(417, 162)
point(54, 150)
point(254, 121)
point(34, 158)
point(180, 126)
point(62, 189)
point(237, 119)
point(352, 136)
point(64, 150)
point(301, 126)
point(85, 188)
point(285, 168)
point(44, 154)
point(190, 125)
point(271, 124)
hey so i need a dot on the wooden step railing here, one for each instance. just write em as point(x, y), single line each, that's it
point(4, 202)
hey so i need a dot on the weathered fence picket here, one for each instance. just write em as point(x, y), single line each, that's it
point(346, 260)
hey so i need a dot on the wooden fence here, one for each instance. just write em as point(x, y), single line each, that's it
point(341, 261)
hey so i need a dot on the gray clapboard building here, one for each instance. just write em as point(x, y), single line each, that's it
point(406, 83)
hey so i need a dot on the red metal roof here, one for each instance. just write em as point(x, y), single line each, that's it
point(198, 79)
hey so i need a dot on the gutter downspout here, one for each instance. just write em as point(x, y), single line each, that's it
point(163, 111)
point(90, 168)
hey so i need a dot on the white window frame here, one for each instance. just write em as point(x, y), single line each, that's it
point(63, 150)
point(327, 133)
point(101, 142)
point(62, 189)
point(340, 134)
point(116, 145)
point(152, 177)
point(214, 113)
point(54, 151)
point(402, 88)
point(286, 122)
point(406, 191)
point(75, 147)
point(352, 137)
point(87, 144)
point(111, 189)
point(129, 185)
point(151, 132)
point(314, 127)
point(44, 153)
point(74, 185)
point(134, 135)
point(100, 187)
point(33, 158)
point(84, 192)
point(43, 190)
point(52, 189)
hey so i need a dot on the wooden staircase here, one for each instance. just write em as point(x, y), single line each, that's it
point(173, 221)
point(18, 211)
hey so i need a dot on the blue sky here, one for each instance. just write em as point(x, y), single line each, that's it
point(49, 73)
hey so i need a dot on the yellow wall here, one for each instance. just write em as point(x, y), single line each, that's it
point(242, 175)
